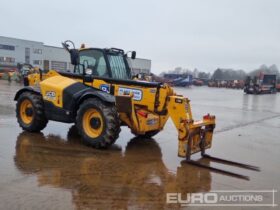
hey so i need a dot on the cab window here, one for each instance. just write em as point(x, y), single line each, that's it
point(94, 60)
point(118, 67)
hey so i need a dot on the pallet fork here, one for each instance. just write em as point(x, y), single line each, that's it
point(218, 160)
point(196, 137)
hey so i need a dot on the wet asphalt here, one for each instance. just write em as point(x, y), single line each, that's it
point(54, 170)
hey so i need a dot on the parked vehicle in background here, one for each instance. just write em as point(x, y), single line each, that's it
point(212, 83)
point(198, 82)
point(181, 80)
point(24, 69)
point(278, 87)
point(217, 83)
point(235, 84)
point(264, 83)
point(7, 74)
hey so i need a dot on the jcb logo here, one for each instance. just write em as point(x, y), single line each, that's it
point(50, 95)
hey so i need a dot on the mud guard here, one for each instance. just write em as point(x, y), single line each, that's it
point(103, 96)
point(25, 89)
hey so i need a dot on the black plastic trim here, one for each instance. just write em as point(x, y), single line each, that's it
point(74, 94)
point(19, 92)
point(115, 81)
point(57, 114)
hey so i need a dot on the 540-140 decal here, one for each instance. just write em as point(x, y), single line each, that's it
point(137, 94)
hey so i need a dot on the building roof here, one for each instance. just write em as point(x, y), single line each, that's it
point(20, 39)
point(26, 40)
point(53, 46)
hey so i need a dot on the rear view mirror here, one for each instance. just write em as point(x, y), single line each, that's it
point(133, 55)
point(74, 54)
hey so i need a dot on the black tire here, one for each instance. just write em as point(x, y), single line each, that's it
point(39, 120)
point(148, 134)
point(110, 124)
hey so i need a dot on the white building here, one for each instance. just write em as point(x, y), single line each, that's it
point(13, 51)
point(56, 58)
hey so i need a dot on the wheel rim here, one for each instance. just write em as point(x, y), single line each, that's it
point(26, 111)
point(93, 123)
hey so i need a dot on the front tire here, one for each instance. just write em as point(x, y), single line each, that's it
point(30, 112)
point(98, 123)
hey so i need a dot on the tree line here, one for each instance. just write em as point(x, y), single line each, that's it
point(227, 74)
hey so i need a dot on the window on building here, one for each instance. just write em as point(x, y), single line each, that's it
point(46, 65)
point(37, 51)
point(27, 55)
point(7, 60)
point(7, 47)
point(58, 65)
point(10, 60)
point(37, 62)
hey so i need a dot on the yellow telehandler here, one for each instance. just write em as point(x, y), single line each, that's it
point(99, 96)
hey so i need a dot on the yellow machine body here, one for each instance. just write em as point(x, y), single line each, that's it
point(142, 109)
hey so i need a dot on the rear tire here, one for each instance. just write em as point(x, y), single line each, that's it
point(98, 123)
point(30, 112)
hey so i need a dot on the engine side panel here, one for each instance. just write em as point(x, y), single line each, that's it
point(62, 96)
point(53, 87)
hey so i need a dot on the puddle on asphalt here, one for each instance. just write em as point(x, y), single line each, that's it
point(135, 177)
point(135, 173)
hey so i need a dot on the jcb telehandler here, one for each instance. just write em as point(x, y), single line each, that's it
point(100, 97)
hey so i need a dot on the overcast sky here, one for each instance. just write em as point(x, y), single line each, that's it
point(205, 34)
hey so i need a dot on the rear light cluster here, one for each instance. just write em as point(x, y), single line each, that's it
point(142, 113)
point(208, 117)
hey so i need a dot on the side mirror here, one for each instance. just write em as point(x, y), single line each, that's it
point(133, 55)
point(74, 55)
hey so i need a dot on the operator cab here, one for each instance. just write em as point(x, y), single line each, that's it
point(103, 63)
point(96, 62)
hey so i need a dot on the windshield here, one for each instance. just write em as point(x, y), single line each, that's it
point(94, 60)
point(118, 67)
